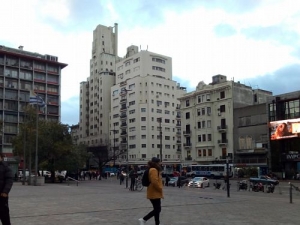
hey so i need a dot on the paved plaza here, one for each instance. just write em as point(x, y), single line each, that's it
point(106, 202)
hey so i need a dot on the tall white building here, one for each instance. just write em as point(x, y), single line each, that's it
point(95, 94)
point(124, 98)
point(207, 118)
point(143, 106)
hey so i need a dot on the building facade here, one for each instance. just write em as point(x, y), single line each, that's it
point(284, 130)
point(21, 72)
point(251, 137)
point(143, 108)
point(95, 93)
point(207, 119)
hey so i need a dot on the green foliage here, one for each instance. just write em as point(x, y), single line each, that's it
point(55, 148)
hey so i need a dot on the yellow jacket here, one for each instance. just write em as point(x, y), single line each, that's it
point(155, 189)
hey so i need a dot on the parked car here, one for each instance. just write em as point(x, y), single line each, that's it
point(199, 182)
point(264, 180)
point(174, 181)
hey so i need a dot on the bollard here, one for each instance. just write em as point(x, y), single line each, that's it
point(291, 193)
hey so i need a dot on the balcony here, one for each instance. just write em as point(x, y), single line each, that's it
point(178, 150)
point(178, 142)
point(187, 145)
point(123, 100)
point(123, 142)
point(223, 142)
point(123, 83)
point(178, 133)
point(222, 128)
point(123, 115)
point(178, 125)
point(187, 133)
point(123, 108)
point(123, 125)
point(123, 133)
point(178, 117)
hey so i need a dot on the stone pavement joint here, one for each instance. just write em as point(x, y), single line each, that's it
point(106, 202)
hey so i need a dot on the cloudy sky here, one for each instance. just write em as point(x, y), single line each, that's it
point(256, 42)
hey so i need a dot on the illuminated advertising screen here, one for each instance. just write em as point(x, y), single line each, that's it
point(282, 129)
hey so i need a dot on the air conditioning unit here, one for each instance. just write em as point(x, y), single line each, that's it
point(219, 114)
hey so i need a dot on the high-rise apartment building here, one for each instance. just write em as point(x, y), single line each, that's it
point(143, 108)
point(20, 72)
point(207, 118)
point(95, 93)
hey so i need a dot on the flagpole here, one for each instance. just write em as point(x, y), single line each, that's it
point(36, 144)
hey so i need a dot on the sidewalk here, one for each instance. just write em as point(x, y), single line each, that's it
point(106, 202)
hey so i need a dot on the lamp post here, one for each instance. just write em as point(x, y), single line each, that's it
point(124, 90)
point(160, 138)
point(227, 177)
point(114, 151)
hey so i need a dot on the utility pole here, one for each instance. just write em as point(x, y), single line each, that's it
point(160, 137)
point(114, 150)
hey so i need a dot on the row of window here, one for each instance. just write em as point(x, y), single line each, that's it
point(204, 98)
point(204, 152)
point(204, 137)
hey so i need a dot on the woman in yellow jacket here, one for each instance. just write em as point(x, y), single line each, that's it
point(154, 191)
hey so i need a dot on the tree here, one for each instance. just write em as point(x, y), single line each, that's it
point(55, 148)
point(102, 156)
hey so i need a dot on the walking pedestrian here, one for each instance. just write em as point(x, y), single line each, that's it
point(6, 182)
point(154, 191)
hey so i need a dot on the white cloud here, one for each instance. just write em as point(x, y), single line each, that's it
point(188, 36)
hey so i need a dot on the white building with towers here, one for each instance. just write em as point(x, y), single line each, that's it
point(135, 97)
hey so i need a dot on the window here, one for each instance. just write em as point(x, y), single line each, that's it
point(222, 94)
point(199, 153)
point(132, 103)
point(136, 60)
point(209, 152)
point(203, 137)
point(143, 145)
point(167, 120)
point(203, 111)
point(198, 112)
point(143, 137)
point(187, 103)
point(158, 111)
point(207, 97)
point(158, 68)
point(158, 60)
point(168, 147)
point(143, 109)
point(132, 111)
point(199, 124)
point(167, 112)
point(199, 138)
point(208, 123)
point(222, 108)
point(167, 137)
point(208, 111)
point(208, 137)
point(143, 127)
point(143, 119)
point(199, 98)
point(204, 152)
point(187, 115)
point(203, 124)
point(127, 63)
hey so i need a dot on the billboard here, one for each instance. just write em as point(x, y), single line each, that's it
point(283, 129)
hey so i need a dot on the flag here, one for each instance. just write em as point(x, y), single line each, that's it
point(35, 99)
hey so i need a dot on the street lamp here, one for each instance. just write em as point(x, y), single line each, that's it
point(124, 92)
point(114, 130)
point(160, 138)
point(227, 176)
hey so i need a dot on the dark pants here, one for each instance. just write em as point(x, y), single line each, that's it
point(132, 183)
point(4, 211)
point(155, 212)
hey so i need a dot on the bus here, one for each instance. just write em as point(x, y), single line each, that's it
point(212, 170)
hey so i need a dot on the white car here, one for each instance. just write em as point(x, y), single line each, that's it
point(199, 182)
